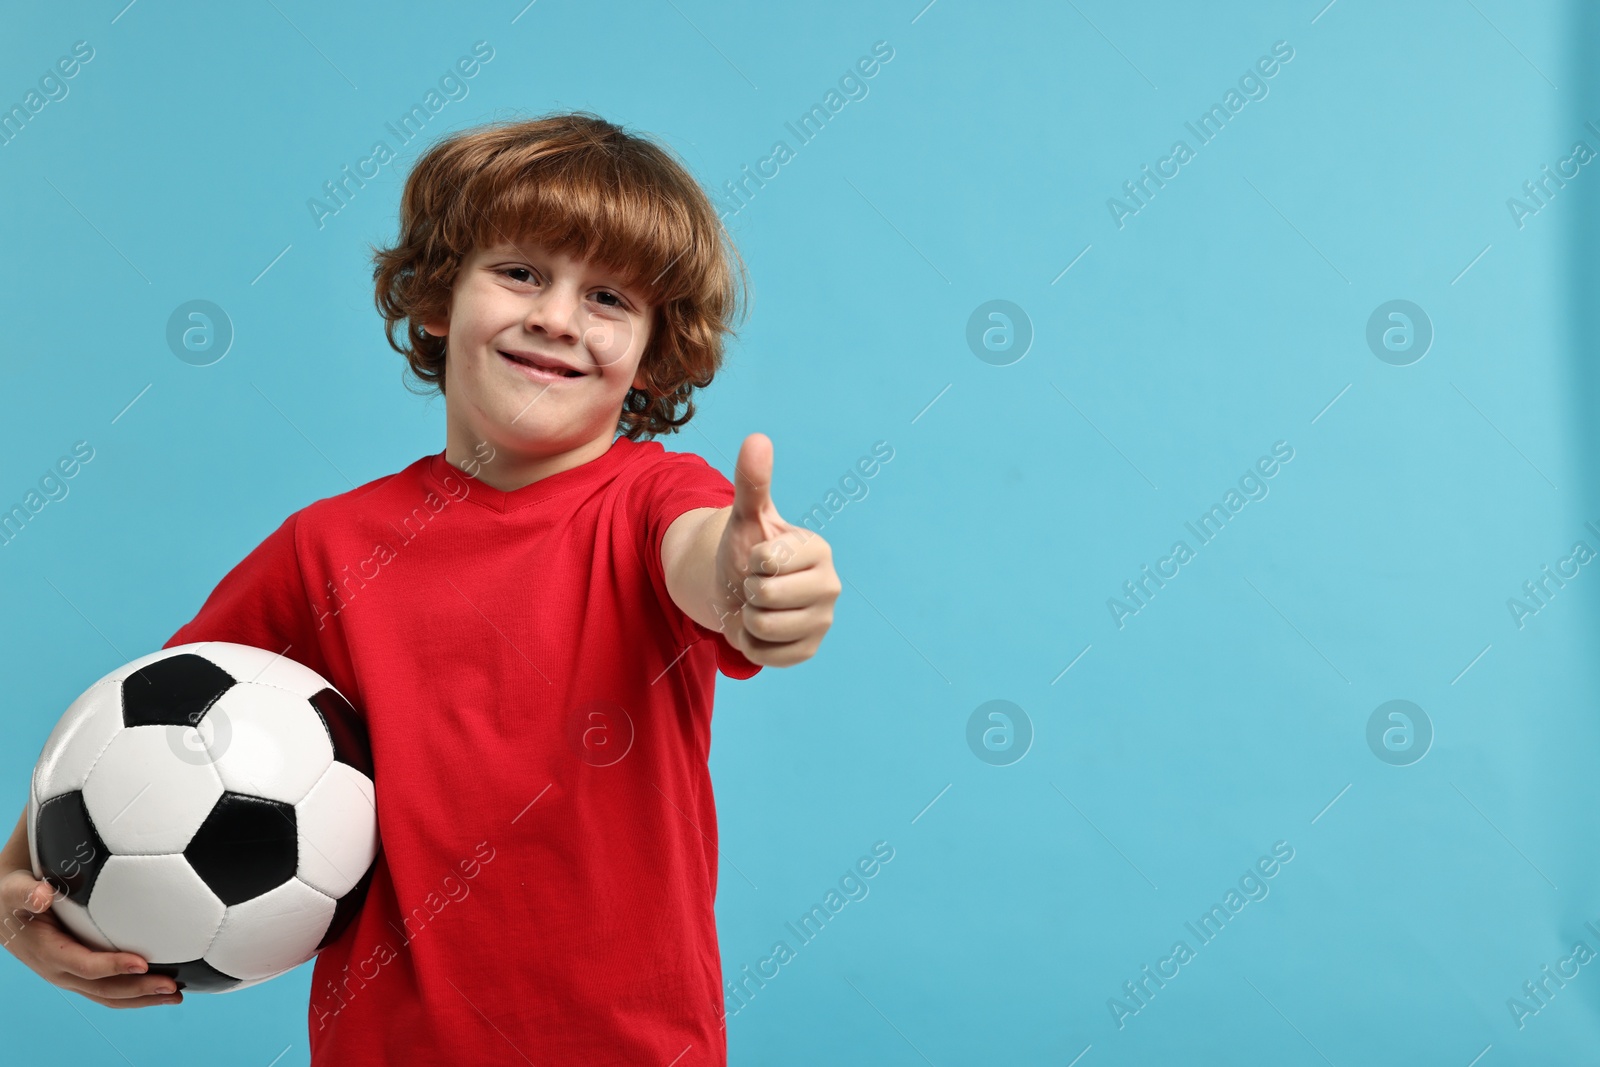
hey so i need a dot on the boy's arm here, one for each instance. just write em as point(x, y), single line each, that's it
point(688, 556)
point(766, 584)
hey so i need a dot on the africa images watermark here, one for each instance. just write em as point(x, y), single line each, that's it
point(806, 128)
point(53, 87)
point(1550, 183)
point(336, 995)
point(852, 486)
point(59, 882)
point(52, 487)
point(339, 594)
point(1253, 84)
point(1538, 592)
point(1252, 486)
point(852, 887)
point(1537, 994)
point(452, 88)
point(1252, 886)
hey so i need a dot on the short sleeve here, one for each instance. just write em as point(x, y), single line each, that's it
point(680, 482)
point(261, 602)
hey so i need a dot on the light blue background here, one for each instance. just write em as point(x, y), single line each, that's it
point(1225, 316)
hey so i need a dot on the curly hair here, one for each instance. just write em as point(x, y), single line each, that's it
point(581, 186)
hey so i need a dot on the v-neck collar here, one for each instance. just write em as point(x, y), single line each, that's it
point(460, 485)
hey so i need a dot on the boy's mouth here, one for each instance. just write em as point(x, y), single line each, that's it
point(543, 369)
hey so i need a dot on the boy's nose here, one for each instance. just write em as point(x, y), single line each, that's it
point(554, 315)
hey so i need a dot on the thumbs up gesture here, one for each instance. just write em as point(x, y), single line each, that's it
point(776, 579)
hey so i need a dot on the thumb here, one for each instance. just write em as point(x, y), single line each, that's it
point(22, 890)
point(752, 478)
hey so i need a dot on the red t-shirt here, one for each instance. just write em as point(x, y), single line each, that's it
point(540, 716)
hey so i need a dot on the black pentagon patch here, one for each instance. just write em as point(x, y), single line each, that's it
point(246, 847)
point(70, 851)
point(345, 728)
point(177, 691)
point(196, 976)
point(349, 905)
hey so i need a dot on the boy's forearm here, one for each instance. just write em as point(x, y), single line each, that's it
point(692, 583)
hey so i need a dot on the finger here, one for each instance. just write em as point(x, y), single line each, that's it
point(777, 653)
point(126, 987)
point(798, 589)
point(752, 478)
point(79, 960)
point(776, 627)
point(797, 548)
point(136, 1002)
point(20, 890)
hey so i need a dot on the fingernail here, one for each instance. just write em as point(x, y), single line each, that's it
point(166, 989)
point(135, 968)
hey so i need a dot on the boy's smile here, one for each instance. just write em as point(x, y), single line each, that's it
point(542, 350)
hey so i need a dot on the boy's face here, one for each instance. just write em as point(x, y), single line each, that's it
point(522, 301)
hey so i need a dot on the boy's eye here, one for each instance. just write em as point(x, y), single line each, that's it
point(614, 300)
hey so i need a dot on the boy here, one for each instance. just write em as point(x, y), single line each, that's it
point(531, 622)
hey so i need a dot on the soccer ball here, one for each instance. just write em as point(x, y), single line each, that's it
point(210, 807)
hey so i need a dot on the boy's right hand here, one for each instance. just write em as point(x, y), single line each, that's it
point(32, 933)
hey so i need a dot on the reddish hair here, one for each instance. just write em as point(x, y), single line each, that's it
point(581, 186)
